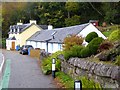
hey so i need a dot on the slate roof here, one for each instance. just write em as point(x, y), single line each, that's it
point(11, 38)
point(23, 27)
point(43, 26)
point(58, 33)
point(42, 35)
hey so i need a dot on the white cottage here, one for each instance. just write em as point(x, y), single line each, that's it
point(52, 40)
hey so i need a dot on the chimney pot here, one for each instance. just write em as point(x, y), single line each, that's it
point(50, 27)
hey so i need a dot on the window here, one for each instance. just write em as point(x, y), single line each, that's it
point(59, 46)
point(52, 46)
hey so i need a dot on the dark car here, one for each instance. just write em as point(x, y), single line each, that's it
point(24, 49)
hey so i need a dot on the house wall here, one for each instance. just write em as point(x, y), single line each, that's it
point(91, 28)
point(33, 43)
point(50, 47)
point(27, 34)
point(39, 45)
point(44, 46)
point(53, 47)
point(28, 42)
point(9, 44)
point(17, 38)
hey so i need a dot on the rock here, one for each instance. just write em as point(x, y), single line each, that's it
point(103, 56)
point(115, 73)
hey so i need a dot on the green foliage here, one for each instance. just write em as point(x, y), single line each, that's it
point(109, 10)
point(3, 43)
point(115, 35)
point(74, 20)
point(89, 83)
point(66, 80)
point(85, 52)
point(117, 62)
point(47, 63)
point(73, 52)
point(94, 45)
point(76, 50)
point(72, 40)
point(107, 33)
point(59, 14)
point(91, 36)
point(72, 6)
point(67, 54)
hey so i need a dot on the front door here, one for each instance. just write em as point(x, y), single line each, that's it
point(13, 46)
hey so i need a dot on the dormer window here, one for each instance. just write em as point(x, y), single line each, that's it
point(18, 30)
point(14, 30)
point(10, 29)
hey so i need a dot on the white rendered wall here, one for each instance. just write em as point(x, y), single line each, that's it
point(91, 28)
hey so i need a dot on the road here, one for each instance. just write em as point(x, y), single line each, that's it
point(24, 71)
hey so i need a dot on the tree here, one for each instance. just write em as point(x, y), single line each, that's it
point(8, 11)
point(71, 7)
point(51, 13)
point(109, 9)
point(75, 20)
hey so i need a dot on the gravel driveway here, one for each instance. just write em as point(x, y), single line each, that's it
point(25, 72)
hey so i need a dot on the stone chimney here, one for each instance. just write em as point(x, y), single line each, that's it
point(50, 27)
point(20, 23)
point(33, 21)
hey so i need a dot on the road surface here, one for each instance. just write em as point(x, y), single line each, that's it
point(23, 71)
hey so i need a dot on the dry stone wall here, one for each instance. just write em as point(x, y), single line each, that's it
point(107, 75)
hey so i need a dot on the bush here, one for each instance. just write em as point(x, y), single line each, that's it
point(76, 50)
point(114, 36)
point(65, 80)
point(71, 41)
point(68, 82)
point(47, 63)
point(91, 36)
point(67, 54)
point(73, 52)
point(117, 62)
point(85, 52)
point(106, 45)
point(94, 45)
point(3, 43)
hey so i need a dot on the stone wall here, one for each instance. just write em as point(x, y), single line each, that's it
point(107, 75)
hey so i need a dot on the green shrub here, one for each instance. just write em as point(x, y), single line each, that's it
point(76, 50)
point(117, 62)
point(68, 82)
point(85, 52)
point(89, 83)
point(65, 80)
point(114, 36)
point(73, 52)
point(94, 45)
point(3, 43)
point(47, 63)
point(91, 36)
point(67, 54)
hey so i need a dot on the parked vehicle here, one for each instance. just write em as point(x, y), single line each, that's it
point(24, 49)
